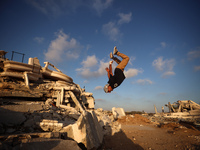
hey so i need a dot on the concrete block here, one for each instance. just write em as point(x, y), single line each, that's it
point(99, 129)
point(118, 112)
point(24, 107)
point(53, 144)
point(69, 130)
point(79, 131)
point(90, 101)
point(11, 118)
point(86, 130)
point(93, 140)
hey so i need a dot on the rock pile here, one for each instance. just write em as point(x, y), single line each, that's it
point(32, 119)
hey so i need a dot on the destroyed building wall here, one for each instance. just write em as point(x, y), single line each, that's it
point(39, 82)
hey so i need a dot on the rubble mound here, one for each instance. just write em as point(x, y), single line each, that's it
point(134, 119)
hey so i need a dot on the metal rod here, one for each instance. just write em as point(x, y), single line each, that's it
point(17, 53)
point(23, 57)
point(12, 55)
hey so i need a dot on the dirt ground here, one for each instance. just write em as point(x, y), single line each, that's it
point(138, 133)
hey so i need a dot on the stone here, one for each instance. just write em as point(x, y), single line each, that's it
point(118, 112)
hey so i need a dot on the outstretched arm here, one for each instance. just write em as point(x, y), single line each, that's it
point(109, 71)
point(110, 67)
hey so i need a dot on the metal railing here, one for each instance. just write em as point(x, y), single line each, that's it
point(17, 53)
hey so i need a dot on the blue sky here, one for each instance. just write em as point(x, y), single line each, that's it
point(162, 39)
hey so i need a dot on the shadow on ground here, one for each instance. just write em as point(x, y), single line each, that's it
point(119, 141)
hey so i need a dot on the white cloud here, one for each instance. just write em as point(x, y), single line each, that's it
point(87, 72)
point(132, 72)
point(144, 81)
point(124, 18)
point(163, 44)
point(90, 61)
point(55, 7)
point(112, 31)
point(131, 60)
point(167, 74)
point(98, 88)
point(63, 47)
point(159, 64)
point(195, 54)
point(164, 66)
point(196, 68)
point(39, 39)
point(101, 5)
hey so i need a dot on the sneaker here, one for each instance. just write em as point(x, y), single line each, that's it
point(115, 50)
point(111, 55)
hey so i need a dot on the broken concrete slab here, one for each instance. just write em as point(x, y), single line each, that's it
point(118, 112)
point(53, 144)
point(10, 118)
point(86, 130)
point(99, 129)
point(107, 122)
point(29, 123)
point(37, 141)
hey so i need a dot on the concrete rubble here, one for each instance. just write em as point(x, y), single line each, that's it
point(118, 112)
point(182, 111)
point(39, 104)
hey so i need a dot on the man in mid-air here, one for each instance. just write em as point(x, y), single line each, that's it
point(118, 77)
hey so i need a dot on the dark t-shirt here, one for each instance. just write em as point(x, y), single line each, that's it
point(117, 79)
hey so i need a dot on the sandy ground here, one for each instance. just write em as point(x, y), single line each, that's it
point(138, 133)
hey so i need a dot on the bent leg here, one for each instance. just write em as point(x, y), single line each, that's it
point(116, 60)
point(124, 62)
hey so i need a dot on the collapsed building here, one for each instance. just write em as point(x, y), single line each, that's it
point(36, 99)
point(183, 109)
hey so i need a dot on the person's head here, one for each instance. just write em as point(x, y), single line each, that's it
point(108, 88)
